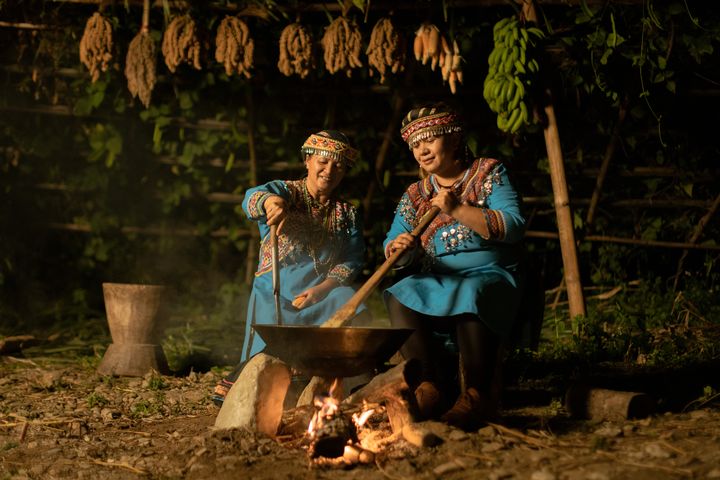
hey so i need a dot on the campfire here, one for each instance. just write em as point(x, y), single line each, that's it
point(336, 430)
point(333, 432)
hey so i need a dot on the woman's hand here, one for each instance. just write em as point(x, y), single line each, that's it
point(315, 294)
point(446, 201)
point(404, 241)
point(275, 211)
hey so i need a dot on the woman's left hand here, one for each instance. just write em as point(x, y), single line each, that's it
point(313, 295)
point(446, 201)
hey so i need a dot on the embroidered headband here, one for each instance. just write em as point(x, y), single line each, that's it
point(423, 123)
point(332, 144)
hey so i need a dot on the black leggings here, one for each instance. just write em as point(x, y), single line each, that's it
point(478, 345)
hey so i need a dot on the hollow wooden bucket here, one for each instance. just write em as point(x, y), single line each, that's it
point(136, 315)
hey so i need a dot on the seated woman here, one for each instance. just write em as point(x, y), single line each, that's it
point(320, 244)
point(469, 280)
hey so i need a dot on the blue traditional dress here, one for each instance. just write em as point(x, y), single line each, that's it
point(461, 271)
point(316, 242)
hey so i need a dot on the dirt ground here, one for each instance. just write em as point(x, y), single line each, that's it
point(59, 419)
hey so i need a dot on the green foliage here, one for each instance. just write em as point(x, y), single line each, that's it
point(96, 400)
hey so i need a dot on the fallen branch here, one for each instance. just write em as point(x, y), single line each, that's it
point(526, 438)
point(124, 465)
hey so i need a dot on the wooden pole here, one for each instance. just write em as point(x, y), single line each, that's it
point(562, 203)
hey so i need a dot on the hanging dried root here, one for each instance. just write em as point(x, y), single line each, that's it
point(295, 51)
point(429, 44)
point(386, 49)
point(451, 65)
point(96, 45)
point(140, 66)
point(180, 43)
point(234, 47)
point(342, 43)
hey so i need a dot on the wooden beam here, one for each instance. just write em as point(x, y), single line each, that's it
point(628, 241)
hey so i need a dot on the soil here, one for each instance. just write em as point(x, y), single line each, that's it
point(60, 419)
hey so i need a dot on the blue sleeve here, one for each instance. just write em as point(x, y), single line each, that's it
point(254, 202)
point(508, 222)
point(403, 222)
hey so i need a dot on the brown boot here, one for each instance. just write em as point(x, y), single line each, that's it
point(470, 411)
point(429, 400)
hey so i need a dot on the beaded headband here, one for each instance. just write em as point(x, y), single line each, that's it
point(322, 144)
point(423, 123)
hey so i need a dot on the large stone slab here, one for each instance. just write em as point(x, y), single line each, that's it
point(255, 401)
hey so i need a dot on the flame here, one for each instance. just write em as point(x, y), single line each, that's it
point(327, 407)
point(361, 418)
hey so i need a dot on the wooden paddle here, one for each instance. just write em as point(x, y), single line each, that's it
point(347, 311)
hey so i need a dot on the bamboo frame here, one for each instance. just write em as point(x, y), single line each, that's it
point(562, 202)
point(628, 241)
point(695, 236)
point(609, 153)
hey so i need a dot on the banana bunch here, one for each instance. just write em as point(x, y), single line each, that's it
point(180, 43)
point(342, 43)
point(234, 47)
point(511, 73)
point(385, 51)
point(96, 45)
point(295, 51)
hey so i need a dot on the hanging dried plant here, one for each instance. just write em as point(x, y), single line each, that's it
point(96, 45)
point(386, 50)
point(234, 47)
point(180, 43)
point(342, 43)
point(140, 61)
point(295, 51)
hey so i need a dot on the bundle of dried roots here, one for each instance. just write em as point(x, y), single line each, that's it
point(96, 45)
point(140, 66)
point(429, 44)
point(342, 43)
point(234, 47)
point(295, 51)
point(451, 65)
point(386, 50)
point(180, 43)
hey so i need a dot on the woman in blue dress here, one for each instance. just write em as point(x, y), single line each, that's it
point(469, 277)
point(320, 244)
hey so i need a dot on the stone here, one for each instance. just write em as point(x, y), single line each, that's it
point(255, 401)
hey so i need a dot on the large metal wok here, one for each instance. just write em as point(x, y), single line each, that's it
point(332, 352)
point(333, 349)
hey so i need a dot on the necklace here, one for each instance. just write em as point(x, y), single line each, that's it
point(452, 186)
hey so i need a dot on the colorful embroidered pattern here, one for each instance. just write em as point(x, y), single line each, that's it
point(474, 190)
point(255, 204)
point(429, 126)
point(340, 273)
point(311, 228)
point(328, 147)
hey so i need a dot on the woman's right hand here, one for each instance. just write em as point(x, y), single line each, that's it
point(404, 241)
point(275, 211)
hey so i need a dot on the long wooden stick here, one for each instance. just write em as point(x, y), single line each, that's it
point(347, 311)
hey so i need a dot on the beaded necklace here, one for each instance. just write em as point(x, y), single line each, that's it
point(321, 228)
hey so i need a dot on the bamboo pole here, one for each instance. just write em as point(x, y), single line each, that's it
point(609, 153)
point(252, 249)
point(627, 241)
point(695, 236)
point(562, 204)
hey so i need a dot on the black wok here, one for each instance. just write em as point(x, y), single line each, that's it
point(332, 352)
